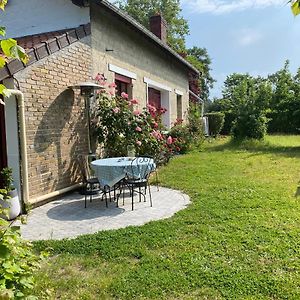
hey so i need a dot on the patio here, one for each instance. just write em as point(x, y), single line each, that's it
point(67, 217)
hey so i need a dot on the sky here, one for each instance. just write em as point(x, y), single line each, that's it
point(244, 36)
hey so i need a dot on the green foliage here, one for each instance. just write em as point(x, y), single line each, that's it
point(215, 122)
point(182, 138)
point(142, 10)
point(200, 59)
point(18, 262)
point(238, 239)
point(17, 259)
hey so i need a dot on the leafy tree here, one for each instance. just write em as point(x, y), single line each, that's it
point(284, 103)
point(142, 10)
point(200, 59)
point(178, 28)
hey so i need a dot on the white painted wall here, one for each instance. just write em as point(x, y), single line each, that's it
point(12, 136)
point(27, 17)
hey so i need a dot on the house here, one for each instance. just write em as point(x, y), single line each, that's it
point(63, 52)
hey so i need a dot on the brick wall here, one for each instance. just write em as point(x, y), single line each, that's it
point(55, 118)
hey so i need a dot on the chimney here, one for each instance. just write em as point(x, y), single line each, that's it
point(158, 26)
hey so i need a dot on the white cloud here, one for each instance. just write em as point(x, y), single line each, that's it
point(247, 36)
point(226, 6)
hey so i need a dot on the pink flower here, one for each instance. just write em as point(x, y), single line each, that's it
point(139, 143)
point(99, 77)
point(124, 95)
point(157, 135)
point(169, 140)
point(138, 129)
point(128, 123)
point(112, 85)
point(136, 112)
point(151, 108)
point(155, 124)
point(116, 110)
point(112, 93)
point(134, 101)
point(163, 110)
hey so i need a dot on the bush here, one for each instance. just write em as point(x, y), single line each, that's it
point(228, 122)
point(215, 122)
point(253, 126)
point(181, 138)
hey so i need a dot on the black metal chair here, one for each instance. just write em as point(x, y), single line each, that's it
point(91, 184)
point(137, 178)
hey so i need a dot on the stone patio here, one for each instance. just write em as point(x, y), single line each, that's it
point(67, 217)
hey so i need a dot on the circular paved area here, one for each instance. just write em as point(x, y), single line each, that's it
point(67, 217)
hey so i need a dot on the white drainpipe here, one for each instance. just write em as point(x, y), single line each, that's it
point(24, 162)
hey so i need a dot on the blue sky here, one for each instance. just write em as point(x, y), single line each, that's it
point(254, 36)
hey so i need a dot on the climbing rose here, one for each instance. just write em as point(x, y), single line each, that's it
point(136, 112)
point(134, 101)
point(139, 129)
point(169, 140)
point(139, 143)
point(112, 85)
point(124, 95)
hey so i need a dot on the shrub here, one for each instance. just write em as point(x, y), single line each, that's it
point(181, 138)
point(253, 126)
point(215, 122)
point(17, 259)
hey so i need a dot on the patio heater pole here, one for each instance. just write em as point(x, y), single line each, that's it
point(87, 90)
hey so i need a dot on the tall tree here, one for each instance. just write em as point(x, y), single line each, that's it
point(200, 59)
point(178, 28)
point(142, 10)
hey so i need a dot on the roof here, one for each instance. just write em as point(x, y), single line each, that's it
point(39, 46)
point(147, 33)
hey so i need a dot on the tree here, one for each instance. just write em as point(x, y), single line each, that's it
point(200, 59)
point(178, 28)
point(142, 10)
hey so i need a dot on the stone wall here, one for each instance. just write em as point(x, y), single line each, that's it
point(56, 126)
point(114, 42)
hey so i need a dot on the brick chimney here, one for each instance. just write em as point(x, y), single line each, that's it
point(158, 26)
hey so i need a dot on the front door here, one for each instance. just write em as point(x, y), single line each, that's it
point(154, 98)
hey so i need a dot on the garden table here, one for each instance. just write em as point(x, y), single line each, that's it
point(110, 171)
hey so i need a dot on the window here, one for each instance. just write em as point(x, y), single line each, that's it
point(123, 85)
point(154, 98)
point(179, 107)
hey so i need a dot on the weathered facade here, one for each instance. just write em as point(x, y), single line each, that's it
point(112, 44)
point(116, 48)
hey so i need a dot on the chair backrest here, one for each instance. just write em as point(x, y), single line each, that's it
point(140, 168)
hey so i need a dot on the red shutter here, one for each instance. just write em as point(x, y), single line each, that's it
point(122, 78)
point(154, 98)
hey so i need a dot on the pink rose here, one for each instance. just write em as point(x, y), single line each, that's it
point(136, 112)
point(139, 129)
point(116, 110)
point(99, 77)
point(112, 85)
point(124, 95)
point(139, 143)
point(155, 124)
point(134, 101)
point(169, 140)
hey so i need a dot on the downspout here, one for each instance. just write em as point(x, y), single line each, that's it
point(23, 143)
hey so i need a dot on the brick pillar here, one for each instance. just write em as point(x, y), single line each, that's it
point(158, 26)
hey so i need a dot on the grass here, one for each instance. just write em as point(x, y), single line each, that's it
point(239, 239)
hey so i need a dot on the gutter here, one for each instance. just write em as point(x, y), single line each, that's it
point(23, 143)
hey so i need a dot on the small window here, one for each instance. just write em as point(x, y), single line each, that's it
point(123, 85)
point(179, 107)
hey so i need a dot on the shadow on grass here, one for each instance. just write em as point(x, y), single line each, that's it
point(256, 146)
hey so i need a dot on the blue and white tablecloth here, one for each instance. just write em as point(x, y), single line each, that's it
point(110, 171)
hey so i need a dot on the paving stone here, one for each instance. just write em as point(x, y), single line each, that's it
point(67, 217)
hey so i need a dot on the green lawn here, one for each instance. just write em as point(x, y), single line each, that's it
point(239, 239)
